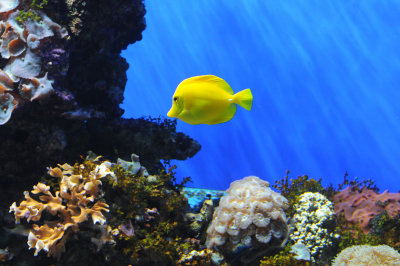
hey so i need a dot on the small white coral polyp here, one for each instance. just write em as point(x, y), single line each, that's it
point(250, 211)
point(74, 203)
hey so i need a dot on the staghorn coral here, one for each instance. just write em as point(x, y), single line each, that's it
point(251, 214)
point(359, 206)
point(313, 213)
point(74, 202)
point(368, 255)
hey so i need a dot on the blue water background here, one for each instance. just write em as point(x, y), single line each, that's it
point(325, 76)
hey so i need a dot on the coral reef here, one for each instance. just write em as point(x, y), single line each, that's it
point(23, 78)
point(368, 255)
point(359, 206)
point(204, 257)
point(148, 209)
point(83, 86)
point(283, 258)
point(114, 212)
point(292, 188)
point(301, 252)
point(250, 215)
point(312, 218)
point(74, 202)
point(196, 222)
point(59, 98)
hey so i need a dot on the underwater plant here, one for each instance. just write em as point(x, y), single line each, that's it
point(148, 210)
point(283, 258)
point(293, 188)
point(30, 10)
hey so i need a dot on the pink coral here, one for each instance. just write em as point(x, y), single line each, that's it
point(360, 206)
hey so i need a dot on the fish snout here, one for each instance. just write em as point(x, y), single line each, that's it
point(172, 112)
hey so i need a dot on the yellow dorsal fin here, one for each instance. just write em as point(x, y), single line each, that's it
point(212, 80)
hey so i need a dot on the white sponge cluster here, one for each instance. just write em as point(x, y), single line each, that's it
point(250, 211)
point(312, 211)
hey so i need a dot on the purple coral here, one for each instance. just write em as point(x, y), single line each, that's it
point(54, 57)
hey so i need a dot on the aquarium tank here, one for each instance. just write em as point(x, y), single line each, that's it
point(323, 77)
point(199, 132)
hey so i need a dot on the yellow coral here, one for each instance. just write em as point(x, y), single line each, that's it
point(72, 205)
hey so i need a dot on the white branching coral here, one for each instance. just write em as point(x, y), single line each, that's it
point(312, 212)
point(75, 202)
point(250, 212)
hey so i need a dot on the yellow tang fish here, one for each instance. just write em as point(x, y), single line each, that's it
point(208, 100)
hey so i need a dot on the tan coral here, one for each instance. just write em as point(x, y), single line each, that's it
point(6, 83)
point(249, 213)
point(96, 214)
point(29, 209)
point(44, 237)
point(36, 88)
point(7, 106)
point(70, 206)
point(8, 5)
point(16, 47)
point(20, 43)
point(8, 36)
point(27, 67)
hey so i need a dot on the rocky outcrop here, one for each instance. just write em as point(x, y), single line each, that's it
point(82, 111)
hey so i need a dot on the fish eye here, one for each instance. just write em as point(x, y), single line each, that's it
point(175, 99)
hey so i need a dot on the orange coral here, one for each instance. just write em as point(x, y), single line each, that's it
point(74, 203)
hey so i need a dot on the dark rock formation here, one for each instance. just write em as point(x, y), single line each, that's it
point(83, 113)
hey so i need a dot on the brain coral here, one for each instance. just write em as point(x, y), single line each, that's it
point(368, 255)
point(360, 206)
point(249, 214)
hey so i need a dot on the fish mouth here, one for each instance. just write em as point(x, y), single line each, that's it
point(172, 113)
point(169, 114)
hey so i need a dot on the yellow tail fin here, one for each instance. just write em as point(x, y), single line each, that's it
point(244, 98)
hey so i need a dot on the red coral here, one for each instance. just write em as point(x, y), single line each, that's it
point(360, 206)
